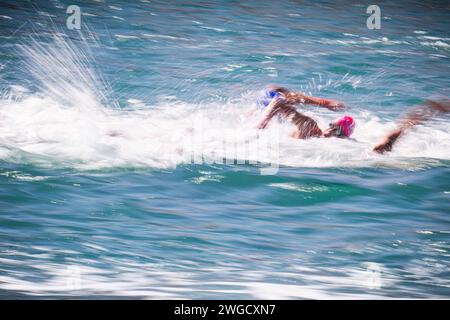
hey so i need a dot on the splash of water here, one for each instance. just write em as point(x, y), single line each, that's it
point(72, 120)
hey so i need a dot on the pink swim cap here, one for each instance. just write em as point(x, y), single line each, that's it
point(347, 124)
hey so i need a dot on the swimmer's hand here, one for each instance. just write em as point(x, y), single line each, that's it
point(333, 105)
point(387, 143)
point(383, 147)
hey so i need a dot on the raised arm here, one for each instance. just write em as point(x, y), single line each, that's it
point(299, 97)
point(418, 115)
point(276, 106)
point(306, 127)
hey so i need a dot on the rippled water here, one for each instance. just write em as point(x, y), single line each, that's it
point(98, 193)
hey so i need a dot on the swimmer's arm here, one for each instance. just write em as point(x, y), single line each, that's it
point(270, 113)
point(387, 143)
point(276, 106)
point(306, 127)
point(298, 97)
point(417, 116)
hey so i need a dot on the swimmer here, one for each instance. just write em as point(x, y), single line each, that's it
point(283, 105)
point(280, 101)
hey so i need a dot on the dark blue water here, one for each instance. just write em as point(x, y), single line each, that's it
point(99, 196)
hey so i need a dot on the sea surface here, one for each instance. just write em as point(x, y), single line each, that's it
point(131, 167)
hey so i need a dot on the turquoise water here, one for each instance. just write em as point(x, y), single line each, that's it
point(100, 197)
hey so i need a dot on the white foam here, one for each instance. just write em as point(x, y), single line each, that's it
point(118, 18)
point(126, 37)
point(129, 279)
point(160, 136)
point(71, 120)
point(163, 36)
point(364, 40)
point(115, 8)
point(436, 44)
point(214, 29)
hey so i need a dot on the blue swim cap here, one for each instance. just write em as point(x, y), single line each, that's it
point(266, 97)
